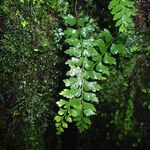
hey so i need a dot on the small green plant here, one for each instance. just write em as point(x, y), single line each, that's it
point(89, 64)
point(91, 54)
point(123, 10)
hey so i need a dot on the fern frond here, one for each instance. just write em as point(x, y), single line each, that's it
point(88, 64)
point(123, 11)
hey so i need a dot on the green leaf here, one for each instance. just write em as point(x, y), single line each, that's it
point(87, 105)
point(101, 44)
point(69, 32)
point(82, 123)
point(24, 23)
point(64, 124)
point(82, 21)
point(89, 109)
point(107, 35)
point(75, 71)
point(97, 76)
point(118, 23)
point(118, 48)
point(76, 103)
point(73, 42)
point(68, 119)
point(70, 20)
point(88, 43)
point(60, 130)
point(94, 75)
point(87, 63)
point(86, 53)
point(73, 113)
point(57, 118)
point(94, 54)
point(74, 82)
point(116, 9)
point(72, 51)
point(87, 120)
point(101, 68)
point(90, 97)
point(118, 16)
point(22, 1)
point(57, 124)
point(109, 59)
point(71, 93)
point(113, 3)
point(61, 112)
point(86, 31)
point(114, 49)
point(61, 102)
point(123, 28)
point(74, 61)
point(91, 86)
point(89, 74)
point(89, 112)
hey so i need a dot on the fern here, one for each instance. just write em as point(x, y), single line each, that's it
point(88, 64)
point(123, 10)
point(91, 56)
